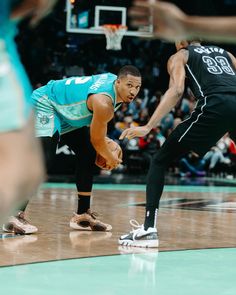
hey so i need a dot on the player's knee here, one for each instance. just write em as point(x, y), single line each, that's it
point(158, 159)
point(37, 173)
point(31, 175)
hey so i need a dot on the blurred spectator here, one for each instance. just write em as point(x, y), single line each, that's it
point(191, 165)
point(218, 154)
point(149, 144)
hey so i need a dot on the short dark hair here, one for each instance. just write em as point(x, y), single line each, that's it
point(199, 40)
point(129, 70)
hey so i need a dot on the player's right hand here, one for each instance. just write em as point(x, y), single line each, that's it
point(135, 132)
point(168, 20)
point(112, 163)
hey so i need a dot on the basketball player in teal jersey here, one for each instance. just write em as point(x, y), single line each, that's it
point(211, 74)
point(64, 110)
point(21, 168)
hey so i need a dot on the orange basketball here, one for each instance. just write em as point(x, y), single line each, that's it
point(115, 149)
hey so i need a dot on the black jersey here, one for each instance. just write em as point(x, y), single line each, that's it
point(210, 70)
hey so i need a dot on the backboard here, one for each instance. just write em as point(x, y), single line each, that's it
point(87, 17)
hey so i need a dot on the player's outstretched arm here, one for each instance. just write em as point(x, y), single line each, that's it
point(175, 91)
point(170, 23)
point(103, 112)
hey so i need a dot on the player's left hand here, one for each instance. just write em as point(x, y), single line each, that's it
point(42, 9)
point(134, 132)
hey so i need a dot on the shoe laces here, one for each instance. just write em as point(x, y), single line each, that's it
point(135, 225)
point(21, 217)
point(93, 214)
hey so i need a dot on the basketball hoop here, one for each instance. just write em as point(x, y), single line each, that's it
point(114, 35)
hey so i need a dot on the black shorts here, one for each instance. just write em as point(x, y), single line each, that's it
point(212, 117)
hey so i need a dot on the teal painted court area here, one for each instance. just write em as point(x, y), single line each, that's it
point(195, 272)
point(142, 187)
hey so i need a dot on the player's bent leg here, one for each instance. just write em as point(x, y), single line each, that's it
point(85, 219)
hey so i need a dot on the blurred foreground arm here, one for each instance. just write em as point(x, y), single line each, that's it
point(170, 23)
point(37, 9)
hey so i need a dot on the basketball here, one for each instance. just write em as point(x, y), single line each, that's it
point(114, 148)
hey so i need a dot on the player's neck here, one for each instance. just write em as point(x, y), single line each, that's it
point(118, 99)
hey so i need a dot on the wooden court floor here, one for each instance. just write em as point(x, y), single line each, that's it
point(190, 217)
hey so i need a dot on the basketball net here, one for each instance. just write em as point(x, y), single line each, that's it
point(114, 35)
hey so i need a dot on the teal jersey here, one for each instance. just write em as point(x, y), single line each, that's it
point(62, 104)
point(7, 27)
point(69, 96)
point(4, 17)
point(15, 88)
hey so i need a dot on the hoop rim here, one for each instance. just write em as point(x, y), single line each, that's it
point(114, 26)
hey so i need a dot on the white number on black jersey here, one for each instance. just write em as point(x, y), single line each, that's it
point(218, 65)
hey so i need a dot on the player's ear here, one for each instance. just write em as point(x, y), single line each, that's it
point(118, 81)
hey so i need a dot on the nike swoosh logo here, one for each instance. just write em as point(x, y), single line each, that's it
point(143, 236)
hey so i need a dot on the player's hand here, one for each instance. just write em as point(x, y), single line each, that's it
point(167, 19)
point(35, 9)
point(135, 132)
point(112, 163)
point(42, 9)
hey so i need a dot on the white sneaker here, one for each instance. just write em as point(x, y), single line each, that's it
point(140, 237)
point(19, 225)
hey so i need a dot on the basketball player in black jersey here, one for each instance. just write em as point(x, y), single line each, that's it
point(211, 74)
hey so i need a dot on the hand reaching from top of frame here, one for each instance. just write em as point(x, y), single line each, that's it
point(43, 8)
point(134, 132)
point(167, 19)
point(37, 9)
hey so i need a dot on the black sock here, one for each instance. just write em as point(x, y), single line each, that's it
point(83, 204)
point(150, 217)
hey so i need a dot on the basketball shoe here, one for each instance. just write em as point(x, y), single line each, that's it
point(88, 221)
point(139, 237)
point(19, 225)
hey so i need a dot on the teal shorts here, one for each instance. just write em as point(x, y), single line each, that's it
point(47, 120)
point(15, 89)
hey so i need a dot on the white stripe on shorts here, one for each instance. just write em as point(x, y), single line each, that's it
point(204, 97)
